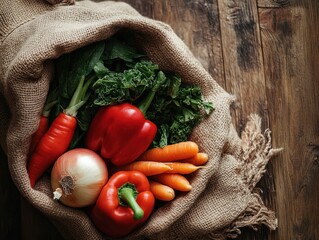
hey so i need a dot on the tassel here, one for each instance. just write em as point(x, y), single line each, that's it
point(255, 153)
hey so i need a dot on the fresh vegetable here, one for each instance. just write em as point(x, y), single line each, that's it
point(78, 177)
point(120, 132)
point(124, 203)
point(148, 168)
point(36, 137)
point(58, 137)
point(173, 180)
point(123, 73)
point(44, 121)
point(54, 143)
point(198, 160)
point(182, 168)
point(169, 153)
point(126, 86)
point(70, 68)
point(161, 191)
point(176, 108)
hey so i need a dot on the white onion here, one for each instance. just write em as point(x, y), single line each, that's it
point(78, 177)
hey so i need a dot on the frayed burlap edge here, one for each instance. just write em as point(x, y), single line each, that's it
point(255, 153)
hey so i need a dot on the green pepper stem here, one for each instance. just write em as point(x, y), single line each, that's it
point(146, 102)
point(127, 194)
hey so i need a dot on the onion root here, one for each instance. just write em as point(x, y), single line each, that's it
point(57, 194)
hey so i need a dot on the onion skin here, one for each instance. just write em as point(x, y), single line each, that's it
point(80, 174)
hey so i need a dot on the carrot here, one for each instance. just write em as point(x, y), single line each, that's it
point(169, 153)
point(182, 168)
point(198, 159)
point(148, 168)
point(44, 121)
point(173, 180)
point(161, 191)
point(42, 128)
point(53, 144)
point(58, 137)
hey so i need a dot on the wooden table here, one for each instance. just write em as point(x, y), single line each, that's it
point(266, 52)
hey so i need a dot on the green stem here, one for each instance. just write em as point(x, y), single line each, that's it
point(127, 194)
point(52, 99)
point(79, 97)
point(47, 108)
point(87, 84)
point(77, 94)
point(146, 102)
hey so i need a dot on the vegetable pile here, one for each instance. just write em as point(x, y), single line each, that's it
point(114, 134)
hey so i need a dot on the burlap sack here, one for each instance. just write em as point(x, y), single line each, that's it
point(35, 32)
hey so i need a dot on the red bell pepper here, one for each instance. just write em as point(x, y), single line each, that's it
point(120, 132)
point(124, 203)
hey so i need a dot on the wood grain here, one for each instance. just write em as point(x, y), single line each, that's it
point(196, 22)
point(290, 52)
point(266, 52)
point(243, 62)
point(273, 3)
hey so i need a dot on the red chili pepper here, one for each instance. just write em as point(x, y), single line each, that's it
point(124, 203)
point(58, 137)
point(120, 132)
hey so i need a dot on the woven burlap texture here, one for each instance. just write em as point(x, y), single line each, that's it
point(223, 199)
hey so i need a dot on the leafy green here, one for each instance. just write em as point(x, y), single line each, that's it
point(72, 67)
point(129, 85)
point(146, 101)
point(176, 114)
point(116, 49)
point(122, 73)
point(120, 54)
point(175, 109)
point(100, 70)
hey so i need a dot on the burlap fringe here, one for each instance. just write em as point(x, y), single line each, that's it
point(255, 154)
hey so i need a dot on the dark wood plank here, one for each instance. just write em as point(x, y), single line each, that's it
point(196, 23)
point(9, 202)
point(244, 76)
point(273, 3)
point(242, 56)
point(290, 51)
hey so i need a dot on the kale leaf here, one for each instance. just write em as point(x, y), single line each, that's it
point(176, 110)
point(129, 85)
point(123, 73)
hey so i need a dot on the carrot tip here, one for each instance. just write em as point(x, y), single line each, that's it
point(188, 188)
